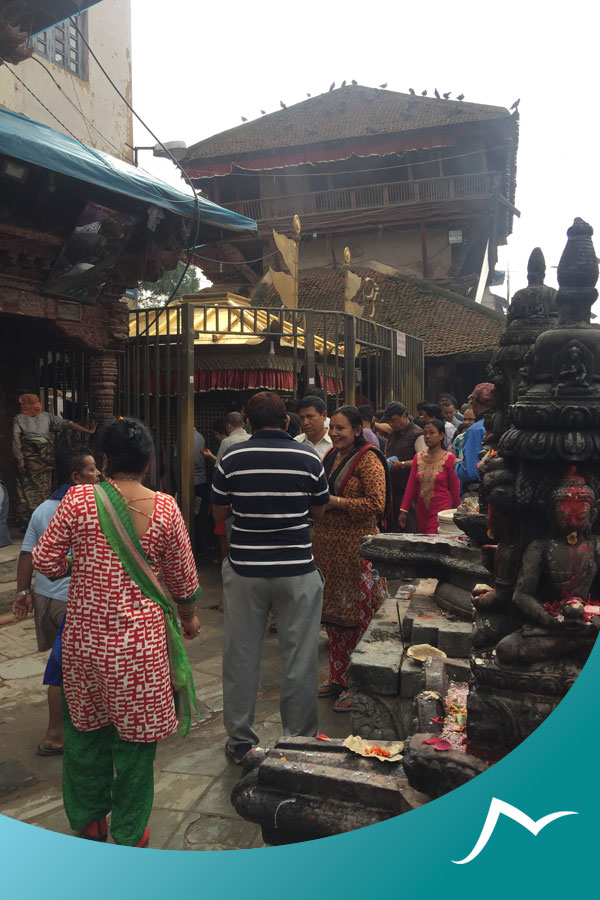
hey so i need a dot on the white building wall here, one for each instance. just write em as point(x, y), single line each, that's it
point(109, 126)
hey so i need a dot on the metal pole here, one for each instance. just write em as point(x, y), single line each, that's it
point(185, 439)
point(349, 361)
point(309, 350)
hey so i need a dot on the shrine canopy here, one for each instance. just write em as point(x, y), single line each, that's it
point(39, 145)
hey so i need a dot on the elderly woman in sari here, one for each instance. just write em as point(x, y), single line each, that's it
point(122, 656)
point(33, 449)
point(359, 488)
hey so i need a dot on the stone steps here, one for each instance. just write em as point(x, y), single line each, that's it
point(426, 623)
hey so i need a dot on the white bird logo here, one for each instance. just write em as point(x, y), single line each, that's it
point(500, 807)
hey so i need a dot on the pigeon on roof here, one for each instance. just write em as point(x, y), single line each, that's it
point(263, 112)
point(308, 95)
point(244, 119)
point(423, 93)
point(282, 104)
point(343, 84)
point(446, 96)
point(332, 85)
point(354, 81)
point(437, 93)
point(461, 97)
point(383, 86)
point(412, 92)
point(516, 104)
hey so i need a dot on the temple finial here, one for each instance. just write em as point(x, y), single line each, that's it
point(578, 266)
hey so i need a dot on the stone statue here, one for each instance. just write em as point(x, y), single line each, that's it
point(531, 311)
point(557, 590)
point(535, 629)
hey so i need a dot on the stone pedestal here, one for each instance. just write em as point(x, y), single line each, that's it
point(507, 704)
point(454, 561)
point(304, 789)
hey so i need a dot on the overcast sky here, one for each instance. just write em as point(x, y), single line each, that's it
point(197, 70)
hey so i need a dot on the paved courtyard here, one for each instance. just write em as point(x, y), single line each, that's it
point(193, 777)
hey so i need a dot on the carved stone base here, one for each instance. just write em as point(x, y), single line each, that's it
point(506, 705)
point(305, 789)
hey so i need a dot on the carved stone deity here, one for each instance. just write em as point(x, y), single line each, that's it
point(534, 631)
point(532, 310)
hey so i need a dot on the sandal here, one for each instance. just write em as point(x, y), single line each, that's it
point(329, 689)
point(96, 830)
point(344, 702)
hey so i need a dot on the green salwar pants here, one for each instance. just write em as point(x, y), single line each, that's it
point(102, 773)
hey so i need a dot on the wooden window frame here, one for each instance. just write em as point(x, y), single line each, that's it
point(63, 39)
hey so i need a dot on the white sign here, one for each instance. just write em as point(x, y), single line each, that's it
point(400, 343)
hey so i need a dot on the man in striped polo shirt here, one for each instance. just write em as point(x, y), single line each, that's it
point(271, 484)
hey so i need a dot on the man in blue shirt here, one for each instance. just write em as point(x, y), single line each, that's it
point(49, 600)
point(271, 484)
point(481, 403)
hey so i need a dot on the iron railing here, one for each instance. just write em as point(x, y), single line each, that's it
point(171, 352)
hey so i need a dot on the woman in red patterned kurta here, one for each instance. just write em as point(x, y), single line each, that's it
point(117, 684)
point(432, 481)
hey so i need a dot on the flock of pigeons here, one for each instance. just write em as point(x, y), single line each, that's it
point(382, 87)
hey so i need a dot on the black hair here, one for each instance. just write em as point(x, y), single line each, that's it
point(312, 400)
point(128, 446)
point(437, 423)
point(433, 410)
point(69, 460)
point(366, 412)
point(266, 410)
point(449, 398)
point(354, 417)
point(291, 405)
point(220, 427)
point(294, 427)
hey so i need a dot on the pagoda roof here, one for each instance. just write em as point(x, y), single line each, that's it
point(350, 113)
point(447, 323)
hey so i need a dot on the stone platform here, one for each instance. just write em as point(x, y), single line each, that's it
point(305, 789)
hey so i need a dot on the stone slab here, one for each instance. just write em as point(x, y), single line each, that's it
point(26, 667)
point(174, 790)
point(422, 556)
point(411, 678)
point(219, 833)
point(217, 800)
point(13, 777)
point(200, 762)
point(426, 623)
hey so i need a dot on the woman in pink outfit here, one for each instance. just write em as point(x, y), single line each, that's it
point(432, 481)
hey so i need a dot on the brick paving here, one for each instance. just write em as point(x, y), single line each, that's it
point(193, 778)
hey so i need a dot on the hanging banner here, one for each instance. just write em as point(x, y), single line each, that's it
point(288, 249)
point(285, 286)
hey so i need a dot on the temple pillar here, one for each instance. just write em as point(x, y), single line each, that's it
point(103, 378)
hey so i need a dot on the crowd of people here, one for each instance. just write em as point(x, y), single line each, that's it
point(290, 493)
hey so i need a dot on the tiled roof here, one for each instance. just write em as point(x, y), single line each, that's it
point(349, 112)
point(447, 323)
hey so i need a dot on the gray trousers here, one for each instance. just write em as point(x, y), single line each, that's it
point(297, 601)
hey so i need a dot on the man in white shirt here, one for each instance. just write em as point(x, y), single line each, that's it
point(313, 415)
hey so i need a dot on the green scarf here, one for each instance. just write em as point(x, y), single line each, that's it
point(118, 528)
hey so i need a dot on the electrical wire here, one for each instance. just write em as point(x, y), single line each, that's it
point(49, 111)
point(196, 224)
point(78, 108)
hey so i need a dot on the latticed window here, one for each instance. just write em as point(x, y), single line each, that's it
point(63, 46)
